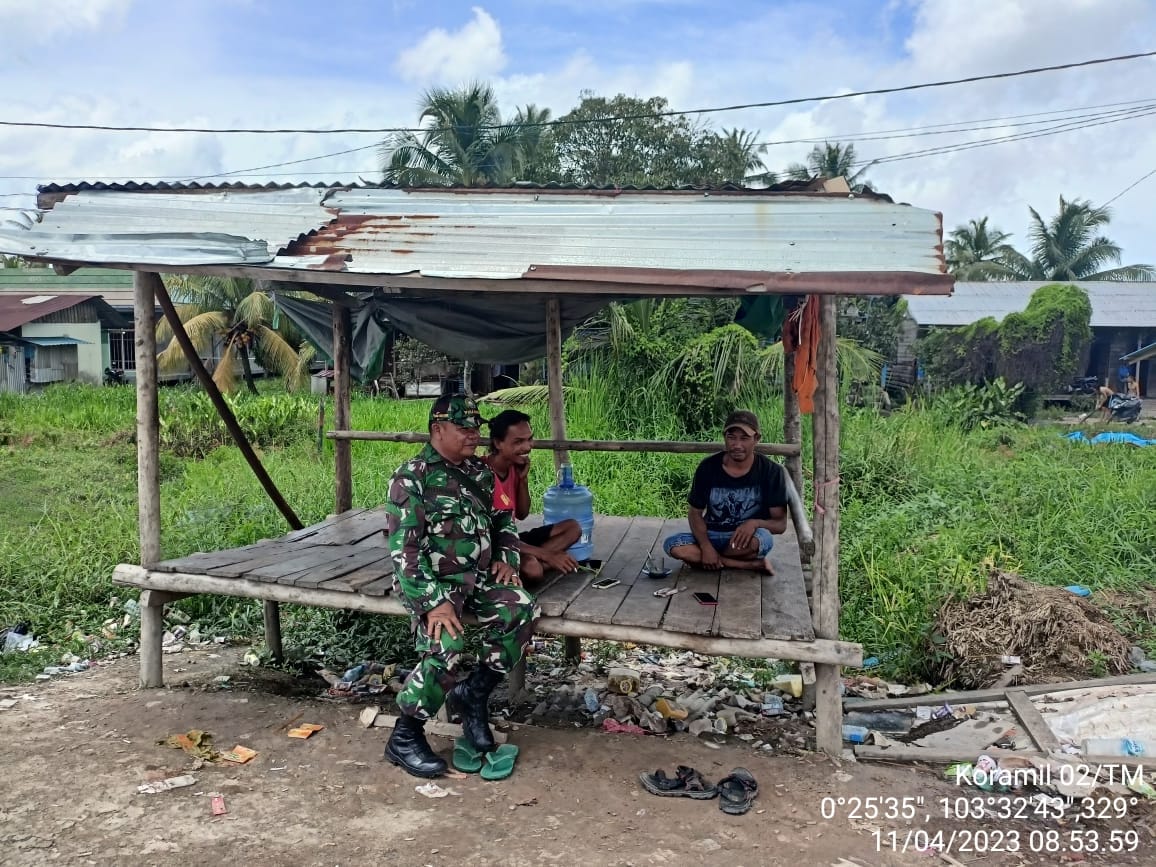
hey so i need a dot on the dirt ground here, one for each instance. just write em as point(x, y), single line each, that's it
point(74, 753)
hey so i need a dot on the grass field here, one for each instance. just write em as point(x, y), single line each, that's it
point(927, 508)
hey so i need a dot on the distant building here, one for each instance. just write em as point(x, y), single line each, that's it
point(1123, 319)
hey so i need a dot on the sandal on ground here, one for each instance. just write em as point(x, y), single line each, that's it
point(737, 791)
point(466, 758)
point(687, 783)
point(499, 763)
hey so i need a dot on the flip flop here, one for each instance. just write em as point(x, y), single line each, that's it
point(499, 763)
point(687, 783)
point(737, 791)
point(466, 758)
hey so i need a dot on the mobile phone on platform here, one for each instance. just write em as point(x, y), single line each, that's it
point(705, 598)
point(604, 583)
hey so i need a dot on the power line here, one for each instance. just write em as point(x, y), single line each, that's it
point(908, 132)
point(579, 121)
point(1135, 183)
point(961, 146)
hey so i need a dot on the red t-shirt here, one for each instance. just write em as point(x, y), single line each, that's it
point(506, 491)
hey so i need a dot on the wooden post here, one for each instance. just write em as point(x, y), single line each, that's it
point(825, 593)
point(152, 630)
point(342, 452)
point(573, 646)
point(554, 377)
point(148, 484)
point(792, 421)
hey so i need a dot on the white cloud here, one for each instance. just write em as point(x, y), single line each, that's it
point(38, 20)
point(443, 57)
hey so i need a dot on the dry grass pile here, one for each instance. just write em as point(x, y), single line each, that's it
point(1057, 636)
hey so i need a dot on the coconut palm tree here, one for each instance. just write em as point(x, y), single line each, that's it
point(463, 142)
point(237, 313)
point(1069, 247)
point(978, 251)
point(741, 153)
point(832, 161)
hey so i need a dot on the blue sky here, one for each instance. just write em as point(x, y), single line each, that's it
point(366, 62)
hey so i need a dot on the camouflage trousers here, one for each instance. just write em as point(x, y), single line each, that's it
point(507, 615)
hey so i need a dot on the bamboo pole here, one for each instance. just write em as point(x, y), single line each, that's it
point(572, 645)
point(825, 594)
point(342, 450)
point(663, 446)
point(818, 651)
point(148, 480)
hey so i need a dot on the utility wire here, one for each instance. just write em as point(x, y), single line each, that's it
point(1135, 183)
point(579, 121)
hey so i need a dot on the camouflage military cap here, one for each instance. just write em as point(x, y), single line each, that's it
point(457, 409)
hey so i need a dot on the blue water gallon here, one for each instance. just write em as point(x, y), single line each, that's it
point(568, 500)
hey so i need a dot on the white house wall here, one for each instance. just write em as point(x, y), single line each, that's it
point(89, 355)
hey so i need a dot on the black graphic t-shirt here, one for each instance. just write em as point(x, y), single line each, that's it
point(728, 501)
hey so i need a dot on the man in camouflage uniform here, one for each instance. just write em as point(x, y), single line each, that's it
point(453, 552)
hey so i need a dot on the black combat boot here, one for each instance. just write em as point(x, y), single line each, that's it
point(470, 701)
point(409, 749)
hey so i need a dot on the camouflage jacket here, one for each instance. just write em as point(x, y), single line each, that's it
point(438, 529)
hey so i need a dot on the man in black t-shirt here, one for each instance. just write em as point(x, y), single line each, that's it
point(737, 500)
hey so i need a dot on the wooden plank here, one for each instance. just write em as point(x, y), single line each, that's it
point(684, 614)
point(209, 559)
point(1033, 721)
point(984, 695)
point(352, 531)
point(641, 607)
point(554, 378)
point(352, 582)
point(345, 560)
point(598, 606)
point(342, 386)
point(312, 529)
point(740, 604)
point(289, 567)
point(786, 613)
point(609, 531)
point(377, 540)
point(273, 552)
point(381, 587)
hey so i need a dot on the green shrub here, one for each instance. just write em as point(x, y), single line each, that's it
point(191, 427)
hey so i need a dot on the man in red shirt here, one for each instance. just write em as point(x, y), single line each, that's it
point(542, 548)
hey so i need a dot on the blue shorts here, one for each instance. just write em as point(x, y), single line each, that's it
point(720, 540)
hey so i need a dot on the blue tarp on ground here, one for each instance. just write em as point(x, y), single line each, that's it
point(1111, 437)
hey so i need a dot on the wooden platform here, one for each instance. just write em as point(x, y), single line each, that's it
point(342, 563)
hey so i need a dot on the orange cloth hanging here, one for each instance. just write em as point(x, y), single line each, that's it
point(801, 336)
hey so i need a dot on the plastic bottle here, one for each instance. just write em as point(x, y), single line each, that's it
point(568, 500)
point(856, 734)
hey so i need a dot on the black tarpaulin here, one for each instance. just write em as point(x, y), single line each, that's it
point(495, 329)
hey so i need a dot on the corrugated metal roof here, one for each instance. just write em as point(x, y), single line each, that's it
point(17, 310)
point(1115, 304)
point(115, 287)
point(1141, 354)
point(56, 341)
point(749, 240)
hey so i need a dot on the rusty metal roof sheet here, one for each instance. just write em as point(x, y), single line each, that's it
point(1115, 303)
point(17, 310)
point(778, 240)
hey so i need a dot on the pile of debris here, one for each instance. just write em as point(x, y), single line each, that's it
point(1057, 635)
point(655, 692)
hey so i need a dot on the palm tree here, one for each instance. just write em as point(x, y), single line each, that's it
point(978, 252)
point(236, 312)
point(537, 155)
point(464, 142)
point(741, 153)
point(831, 161)
point(1068, 247)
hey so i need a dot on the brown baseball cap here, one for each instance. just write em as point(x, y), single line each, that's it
point(745, 419)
